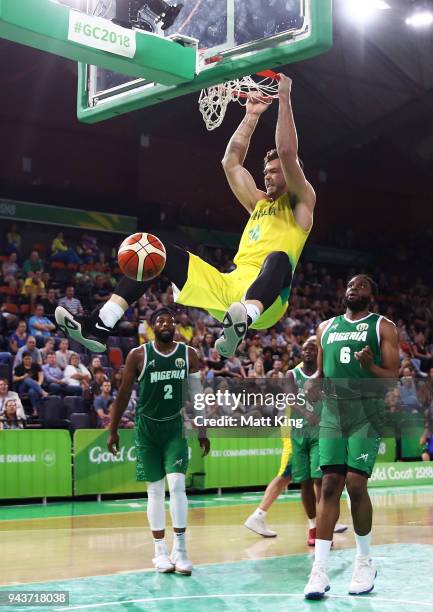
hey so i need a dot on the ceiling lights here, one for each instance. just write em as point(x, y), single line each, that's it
point(363, 10)
point(421, 15)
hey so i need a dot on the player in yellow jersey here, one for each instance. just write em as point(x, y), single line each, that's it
point(256, 293)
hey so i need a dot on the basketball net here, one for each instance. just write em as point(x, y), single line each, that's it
point(214, 100)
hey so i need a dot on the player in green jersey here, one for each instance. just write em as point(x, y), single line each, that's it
point(300, 458)
point(163, 368)
point(355, 349)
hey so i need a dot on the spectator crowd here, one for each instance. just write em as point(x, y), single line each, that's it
point(37, 363)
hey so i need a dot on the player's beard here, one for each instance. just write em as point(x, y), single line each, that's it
point(165, 336)
point(361, 303)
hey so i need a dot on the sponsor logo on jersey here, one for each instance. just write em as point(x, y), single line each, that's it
point(254, 234)
point(179, 363)
point(362, 457)
point(151, 364)
point(362, 327)
point(167, 375)
point(360, 336)
point(335, 326)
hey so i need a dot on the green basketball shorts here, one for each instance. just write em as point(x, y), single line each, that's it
point(350, 433)
point(305, 459)
point(161, 448)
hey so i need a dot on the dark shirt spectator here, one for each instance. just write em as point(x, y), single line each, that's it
point(28, 377)
point(215, 365)
point(101, 292)
point(88, 250)
point(268, 361)
point(49, 302)
point(48, 348)
point(95, 364)
point(96, 384)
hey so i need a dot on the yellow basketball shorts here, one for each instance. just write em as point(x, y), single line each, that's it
point(209, 289)
point(286, 459)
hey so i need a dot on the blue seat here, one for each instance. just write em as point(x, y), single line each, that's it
point(74, 404)
point(80, 421)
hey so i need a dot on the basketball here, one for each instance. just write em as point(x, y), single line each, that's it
point(141, 256)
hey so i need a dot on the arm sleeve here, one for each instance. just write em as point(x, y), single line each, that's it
point(47, 377)
point(195, 387)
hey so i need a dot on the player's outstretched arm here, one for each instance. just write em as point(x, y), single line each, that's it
point(195, 387)
point(240, 180)
point(286, 140)
point(121, 402)
point(319, 372)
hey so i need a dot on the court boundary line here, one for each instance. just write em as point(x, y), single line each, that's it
point(396, 490)
point(237, 595)
point(307, 554)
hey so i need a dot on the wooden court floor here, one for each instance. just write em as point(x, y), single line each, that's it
point(72, 544)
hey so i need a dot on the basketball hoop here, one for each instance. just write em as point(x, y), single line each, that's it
point(214, 100)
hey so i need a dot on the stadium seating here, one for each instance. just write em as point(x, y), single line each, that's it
point(80, 420)
point(74, 404)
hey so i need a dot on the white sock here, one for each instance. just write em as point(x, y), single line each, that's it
point(363, 544)
point(260, 513)
point(311, 523)
point(110, 313)
point(178, 499)
point(160, 547)
point(253, 312)
point(155, 505)
point(179, 541)
point(321, 552)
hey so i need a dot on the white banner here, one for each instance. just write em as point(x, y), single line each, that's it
point(101, 34)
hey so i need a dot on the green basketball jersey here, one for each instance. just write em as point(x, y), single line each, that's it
point(308, 429)
point(300, 376)
point(162, 382)
point(342, 338)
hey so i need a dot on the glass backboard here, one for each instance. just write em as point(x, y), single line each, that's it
point(234, 37)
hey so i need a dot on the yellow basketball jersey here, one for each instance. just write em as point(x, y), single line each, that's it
point(271, 227)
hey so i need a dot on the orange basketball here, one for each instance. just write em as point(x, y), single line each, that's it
point(141, 256)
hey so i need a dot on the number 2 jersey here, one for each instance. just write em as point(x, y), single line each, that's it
point(162, 383)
